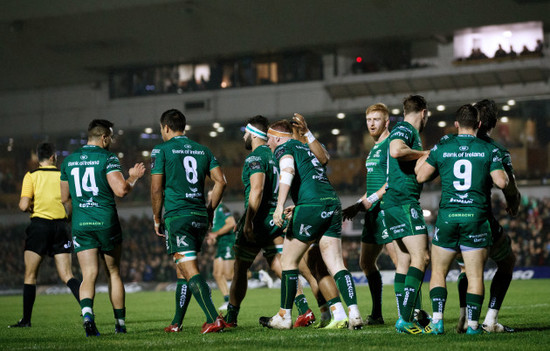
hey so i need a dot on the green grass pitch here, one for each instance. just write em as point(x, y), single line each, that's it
point(58, 326)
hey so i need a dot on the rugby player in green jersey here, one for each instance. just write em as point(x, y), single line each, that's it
point(402, 213)
point(375, 234)
point(317, 217)
point(256, 230)
point(501, 251)
point(179, 168)
point(90, 178)
point(468, 168)
point(222, 233)
point(312, 267)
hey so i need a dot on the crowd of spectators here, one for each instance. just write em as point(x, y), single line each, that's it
point(500, 54)
point(144, 256)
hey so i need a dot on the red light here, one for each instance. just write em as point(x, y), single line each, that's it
point(358, 59)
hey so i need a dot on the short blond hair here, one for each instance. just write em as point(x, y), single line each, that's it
point(378, 107)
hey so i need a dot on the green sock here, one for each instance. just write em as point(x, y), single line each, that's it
point(255, 275)
point(301, 304)
point(120, 316)
point(183, 297)
point(345, 284)
point(438, 296)
point(462, 287)
point(232, 314)
point(473, 306)
point(413, 281)
point(418, 303)
point(226, 298)
point(289, 285)
point(87, 306)
point(398, 285)
point(201, 292)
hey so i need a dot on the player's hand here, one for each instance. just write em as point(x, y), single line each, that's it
point(300, 122)
point(278, 216)
point(159, 227)
point(289, 212)
point(137, 171)
point(211, 239)
point(349, 212)
point(248, 231)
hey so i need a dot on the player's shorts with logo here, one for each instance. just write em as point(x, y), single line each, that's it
point(310, 222)
point(265, 232)
point(405, 220)
point(374, 228)
point(225, 247)
point(48, 236)
point(185, 233)
point(453, 234)
point(103, 239)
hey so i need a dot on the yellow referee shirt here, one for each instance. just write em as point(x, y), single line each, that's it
point(43, 186)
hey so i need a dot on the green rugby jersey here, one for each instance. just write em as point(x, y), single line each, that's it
point(310, 183)
point(464, 163)
point(92, 198)
point(220, 215)
point(402, 185)
point(185, 165)
point(377, 167)
point(261, 161)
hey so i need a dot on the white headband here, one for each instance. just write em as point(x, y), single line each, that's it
point(253, 130)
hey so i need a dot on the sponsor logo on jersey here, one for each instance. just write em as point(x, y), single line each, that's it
point(83, 163)
point(436, 231)
point(414, 213)
point(304, 230)
point(193, 195)
point(180, 241)
point(83, 157)
point(75, 243)
point(255, 165)
point(188, 152)
point(326, 214)
point(464, 148)
point(194, 189)
point(88, 204)
point(187, 146)
point(68, 245)
point(420, 227)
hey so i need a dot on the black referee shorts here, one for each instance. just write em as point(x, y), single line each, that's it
point(48, 236)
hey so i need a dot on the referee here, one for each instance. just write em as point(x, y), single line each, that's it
point(48, 232)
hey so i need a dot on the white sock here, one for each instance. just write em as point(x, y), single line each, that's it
point(338, 312)
point(473, 324)
point(120, 322)
point(437, 316)
point(491, 317)
point(285, 313)
point(353, 311)
point(87, 310)
point(462, 312)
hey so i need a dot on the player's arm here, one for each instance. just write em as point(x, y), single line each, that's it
point(227, 227)
point(512, 194)
point(25, 204)
point(157, 200)
point(217, 176)
point(420, 161)
point(120, 186)
point(402, 152)
point(500, 178)
point(314, 145)
point(27, 194)
point(66, 198)
point(286, 165)
point(425, 173)
point(364, 203)
point(257, 181)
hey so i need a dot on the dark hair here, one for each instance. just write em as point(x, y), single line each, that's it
point(488, 115)
point(282, 126)
point(174, 119)
point(467, 116)
point(259, 122)
point(98, 128)
point(414, 103)
point(44, 151)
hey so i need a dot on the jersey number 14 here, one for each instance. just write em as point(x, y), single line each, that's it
point(88, 181)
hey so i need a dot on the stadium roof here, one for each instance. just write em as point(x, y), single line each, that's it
point(59, 42)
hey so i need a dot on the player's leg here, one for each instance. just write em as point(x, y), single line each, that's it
point(219, 277)
point(117, 293)
point(331, 250)
point(474, 262)
point(441, 261)
point(501, 252)
point(367, 262)
point(244, 257)
point(417, 246)
point(305, 314)
point(63, 263)
point(227, 271)
point(183, 297)
point(32, 263)
point(462, 286)
point(89, 266)
point(403, 263)
point(335, 316)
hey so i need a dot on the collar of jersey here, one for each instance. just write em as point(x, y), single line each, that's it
point(89, 146)
point(465, 135)
point(180, 136)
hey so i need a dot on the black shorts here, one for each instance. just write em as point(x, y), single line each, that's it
point(48, 236)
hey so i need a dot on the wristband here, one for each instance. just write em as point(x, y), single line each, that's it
point(373, 198)
point(310, 137)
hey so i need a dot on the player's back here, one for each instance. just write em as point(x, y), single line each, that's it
point(310, 183)
point(465, 163)
point(261, 160)
point(93, 199)
point(185, 165)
